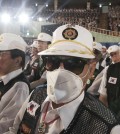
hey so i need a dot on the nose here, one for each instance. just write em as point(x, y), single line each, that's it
point(61, 65)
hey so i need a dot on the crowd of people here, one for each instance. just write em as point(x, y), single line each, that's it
point(114, 18)
point(70, 84)
point(82, 17)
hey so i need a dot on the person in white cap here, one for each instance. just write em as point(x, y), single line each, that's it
point(106, 58)
point(31, 69)
point(14, 87)
point(104, 61)
point(67, 108)
point(110, 86)
point(43, 41)
point(99, 63)
point(95, 63)
point(97, 49)
point(104, 51)
point(114, 52)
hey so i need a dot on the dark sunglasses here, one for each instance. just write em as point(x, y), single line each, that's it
point(70, 63)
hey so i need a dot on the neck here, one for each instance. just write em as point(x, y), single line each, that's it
point(117, 61)
point(57, 105)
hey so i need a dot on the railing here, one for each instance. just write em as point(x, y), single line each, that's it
point(104, 31)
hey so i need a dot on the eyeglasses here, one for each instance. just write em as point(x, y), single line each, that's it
point(113, 53)
point(70, 63)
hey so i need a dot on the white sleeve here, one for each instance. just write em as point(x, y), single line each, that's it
point(93, 89)
point(102, 90)
point(44, 75)
point(18, 118)
point(103, 64)
point(11, 103)
point(115, 130)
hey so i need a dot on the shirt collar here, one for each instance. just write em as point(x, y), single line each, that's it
point(6, 78)
point(67, 111)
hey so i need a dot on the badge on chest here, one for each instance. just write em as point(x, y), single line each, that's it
point(112, 80)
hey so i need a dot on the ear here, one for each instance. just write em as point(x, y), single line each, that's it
point(18, 61)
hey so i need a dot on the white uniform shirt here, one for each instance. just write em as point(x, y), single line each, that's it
point(12, 100)
point(44, 75)
point(93, 89)
point(102, 90)
point(66, 113)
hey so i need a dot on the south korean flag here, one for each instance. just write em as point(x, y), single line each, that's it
point(112, 80)
point(32, 107)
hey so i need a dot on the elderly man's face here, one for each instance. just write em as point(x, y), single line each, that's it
point(42, 45)
point(7, 64)
point(104, 50)
point(115, 56)
point(34, 51)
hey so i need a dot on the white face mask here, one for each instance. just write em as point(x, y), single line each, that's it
point(63, 86)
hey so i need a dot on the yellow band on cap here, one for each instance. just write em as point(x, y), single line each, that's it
point(78, 43)
point(1, 38)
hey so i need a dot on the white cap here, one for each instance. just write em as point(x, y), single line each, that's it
point(35, 44)
point(9, 41)
point(113, 48)
point(97, 46)
point(44, 37)
point(71, 41)
point(104, 47)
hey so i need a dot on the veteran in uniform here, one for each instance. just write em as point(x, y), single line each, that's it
point(67, 108)
point(110, 85)
point(43, 42)
point(31, 69)
point(14, 87)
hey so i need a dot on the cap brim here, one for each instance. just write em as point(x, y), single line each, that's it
point(115, 50)
point(68, 50)
point(37, 40)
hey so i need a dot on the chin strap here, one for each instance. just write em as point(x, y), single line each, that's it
point(86, 73)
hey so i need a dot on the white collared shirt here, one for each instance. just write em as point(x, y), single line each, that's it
point(66, 113)
point(12, 100)
point(6, 78)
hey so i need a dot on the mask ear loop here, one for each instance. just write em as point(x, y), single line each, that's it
point(86, 73)
point(82, 77)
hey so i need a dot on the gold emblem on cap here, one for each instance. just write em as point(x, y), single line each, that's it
point(70, 33)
